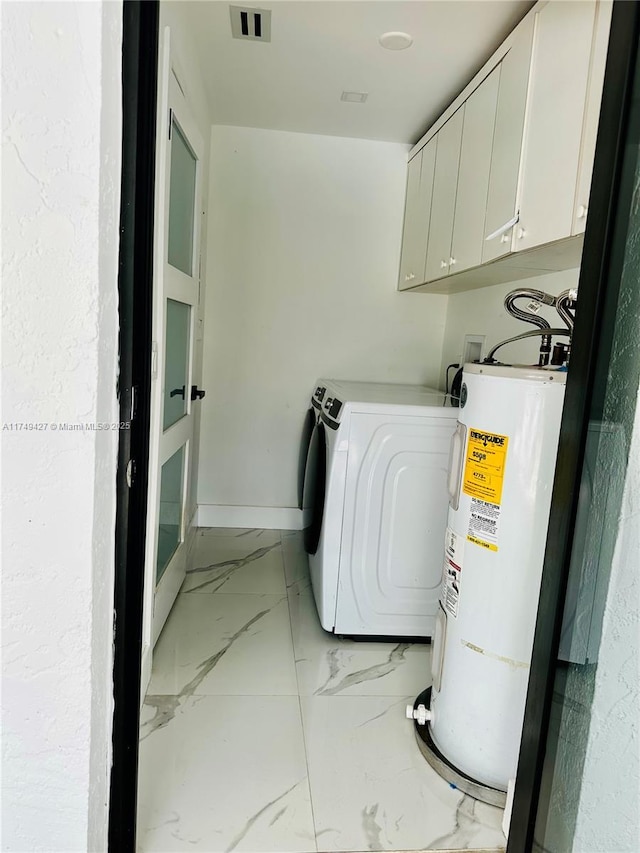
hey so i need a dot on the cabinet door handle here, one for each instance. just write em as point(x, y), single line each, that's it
point(503, 228)
point(452, 262)
point(409, 276)
point(582, 211)
point(521, 233)
point(504, 238)
point(443, 265)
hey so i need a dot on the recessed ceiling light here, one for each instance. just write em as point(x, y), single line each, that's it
point(354, 97)
point(395, 41)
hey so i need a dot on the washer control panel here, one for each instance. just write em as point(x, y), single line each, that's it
point(332, 407)
point(329, 407)
point(318, 396)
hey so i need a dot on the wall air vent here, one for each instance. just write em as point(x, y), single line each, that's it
point(249, 23)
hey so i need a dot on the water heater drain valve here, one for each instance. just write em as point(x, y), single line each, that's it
point(422, 714)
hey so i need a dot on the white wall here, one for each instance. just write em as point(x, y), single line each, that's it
point(304, 244)
point(481, 312)
point(61, 187)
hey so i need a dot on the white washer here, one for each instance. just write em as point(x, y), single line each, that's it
point(375, 506)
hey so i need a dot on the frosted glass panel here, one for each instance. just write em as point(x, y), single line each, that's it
point(176, 362)
point(169, 533)
point(182, 193)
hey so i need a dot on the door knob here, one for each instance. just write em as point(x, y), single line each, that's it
point(196, 394)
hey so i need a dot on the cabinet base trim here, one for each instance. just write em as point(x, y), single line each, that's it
point(541, 260)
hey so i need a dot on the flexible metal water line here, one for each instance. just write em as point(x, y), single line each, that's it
point(565, 304)
point(529, 317)
point(532, 334)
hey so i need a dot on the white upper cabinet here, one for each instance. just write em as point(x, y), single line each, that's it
point(445, 182)
point(507, 144)
point(410, 235)
point(592, 114)
point(553, 131)
point(473, 174)
point(416, 216)
point(513, 158)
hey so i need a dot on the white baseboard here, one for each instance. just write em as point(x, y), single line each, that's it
point(266, 517)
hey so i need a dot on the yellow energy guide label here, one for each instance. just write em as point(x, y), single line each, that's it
point(483, 480)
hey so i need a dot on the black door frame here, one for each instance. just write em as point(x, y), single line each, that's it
point(135, 290)
point(599, 283)
point(140, 69)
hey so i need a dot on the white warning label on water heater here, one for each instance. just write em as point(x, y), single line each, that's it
point(452, 574)
point(454, 546)
point(451, 591)
point(483, 524)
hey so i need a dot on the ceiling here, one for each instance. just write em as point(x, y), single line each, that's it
point(320, 49)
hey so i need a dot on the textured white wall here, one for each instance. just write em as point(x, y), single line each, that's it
point(304, 244)
point(481, 312)
point(61, 187)
point(608, 815)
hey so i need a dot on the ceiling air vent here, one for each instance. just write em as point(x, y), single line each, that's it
point(248, 23)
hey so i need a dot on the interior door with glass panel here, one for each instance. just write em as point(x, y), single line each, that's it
point(175, 305)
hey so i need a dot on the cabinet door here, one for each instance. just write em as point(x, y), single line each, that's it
point(560, 74)
point(473, 174)
point(445, 182)
point(416, 216)
point(410, 233)
point(507, 144)
point(592, 114)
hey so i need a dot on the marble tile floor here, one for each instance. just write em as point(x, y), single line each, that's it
point(261, 732)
